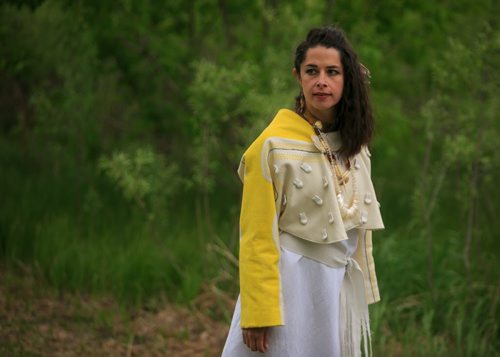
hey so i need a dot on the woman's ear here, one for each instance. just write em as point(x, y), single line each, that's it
point(296, 75)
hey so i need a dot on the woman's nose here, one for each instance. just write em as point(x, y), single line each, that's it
point(321, 80)
point(321, 83)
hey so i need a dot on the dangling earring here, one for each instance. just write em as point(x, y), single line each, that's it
point(302, 102)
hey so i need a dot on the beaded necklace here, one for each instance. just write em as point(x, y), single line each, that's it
point(341, 178)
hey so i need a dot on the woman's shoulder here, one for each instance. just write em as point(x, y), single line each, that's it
point(286, 125)
point(365, 153)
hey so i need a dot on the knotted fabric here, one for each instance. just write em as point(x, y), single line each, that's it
point(354, 317)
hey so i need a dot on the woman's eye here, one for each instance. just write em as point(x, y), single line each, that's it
point(311, 71)
point(333, 72)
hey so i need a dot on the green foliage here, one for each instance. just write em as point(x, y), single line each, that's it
point(227, 107)
point(459, 319)
point(220, 101)
point(459, 127)
point(143, 177)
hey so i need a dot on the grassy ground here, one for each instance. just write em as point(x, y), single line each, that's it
point(36, 320)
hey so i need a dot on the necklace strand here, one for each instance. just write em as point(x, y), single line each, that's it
point(341, 179)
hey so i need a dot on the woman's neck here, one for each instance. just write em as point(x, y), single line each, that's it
point(327, 119)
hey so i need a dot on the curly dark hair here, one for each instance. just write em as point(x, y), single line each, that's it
point(353, 113)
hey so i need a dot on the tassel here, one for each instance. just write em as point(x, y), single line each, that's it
point(354, 317)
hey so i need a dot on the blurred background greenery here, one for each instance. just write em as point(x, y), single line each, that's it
point(122, 124)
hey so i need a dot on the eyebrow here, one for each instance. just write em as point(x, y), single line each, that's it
point(315, 66)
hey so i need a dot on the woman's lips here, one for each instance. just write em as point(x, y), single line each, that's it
point(321, 95)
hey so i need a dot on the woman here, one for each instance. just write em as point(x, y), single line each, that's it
point(308, 209)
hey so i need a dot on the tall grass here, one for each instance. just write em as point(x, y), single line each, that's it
point(100, 244)
point(454, 317)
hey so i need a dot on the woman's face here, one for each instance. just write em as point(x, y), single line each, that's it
point(322, 80)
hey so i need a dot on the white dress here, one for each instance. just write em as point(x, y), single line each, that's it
point(311, 296)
